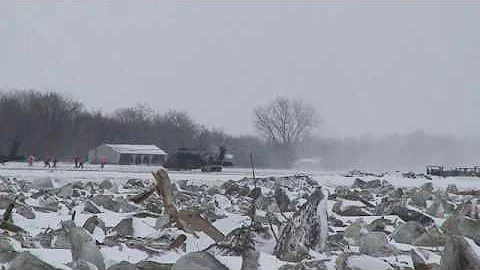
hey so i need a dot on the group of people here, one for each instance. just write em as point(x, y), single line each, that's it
point(50, 162)
point(78, 162)
point(46, 162)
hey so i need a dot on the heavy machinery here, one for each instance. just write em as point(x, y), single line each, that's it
point(185, 159)
point(12, 153)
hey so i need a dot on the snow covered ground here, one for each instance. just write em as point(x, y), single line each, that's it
point(67, 173)
point(144, 227)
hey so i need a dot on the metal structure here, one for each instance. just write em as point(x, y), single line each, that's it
point(458, 171)
point(127, 154)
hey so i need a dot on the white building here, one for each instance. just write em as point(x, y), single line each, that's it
point(126, 154)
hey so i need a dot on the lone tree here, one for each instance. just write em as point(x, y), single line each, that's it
point(285, 123)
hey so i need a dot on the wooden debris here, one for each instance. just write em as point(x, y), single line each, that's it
point(188, 221)
point(307, 229)
point(7, 223)
point(7, 216)
point(142, 196)
point(191, 222)
point(163, 188)
point(179, 242)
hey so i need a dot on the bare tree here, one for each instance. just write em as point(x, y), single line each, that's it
point(285, 123)
point(51, 124)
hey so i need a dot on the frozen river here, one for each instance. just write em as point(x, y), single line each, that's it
point(65, 172)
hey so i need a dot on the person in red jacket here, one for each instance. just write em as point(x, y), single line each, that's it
point(30, 160)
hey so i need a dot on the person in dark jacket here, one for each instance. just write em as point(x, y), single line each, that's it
point(76, 160)
point(46, 163)
point(103, 161)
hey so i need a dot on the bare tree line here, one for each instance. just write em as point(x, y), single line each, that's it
point(51, 124)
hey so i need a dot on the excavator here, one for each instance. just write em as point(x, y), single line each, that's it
point(12, 154)
point(185, 159)
point(215, 164)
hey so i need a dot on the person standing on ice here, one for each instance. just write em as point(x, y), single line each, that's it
point(46, 162)
point(55, 162)
point(76, 160)
point(30, 160)
point(103, 161)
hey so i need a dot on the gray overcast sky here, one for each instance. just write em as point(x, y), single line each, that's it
point(367, 67)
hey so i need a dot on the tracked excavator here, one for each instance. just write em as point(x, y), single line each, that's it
point(185, 159)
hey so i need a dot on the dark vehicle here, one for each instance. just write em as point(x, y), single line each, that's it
point(185, 159)
point(12, 154)
point(435, 170)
